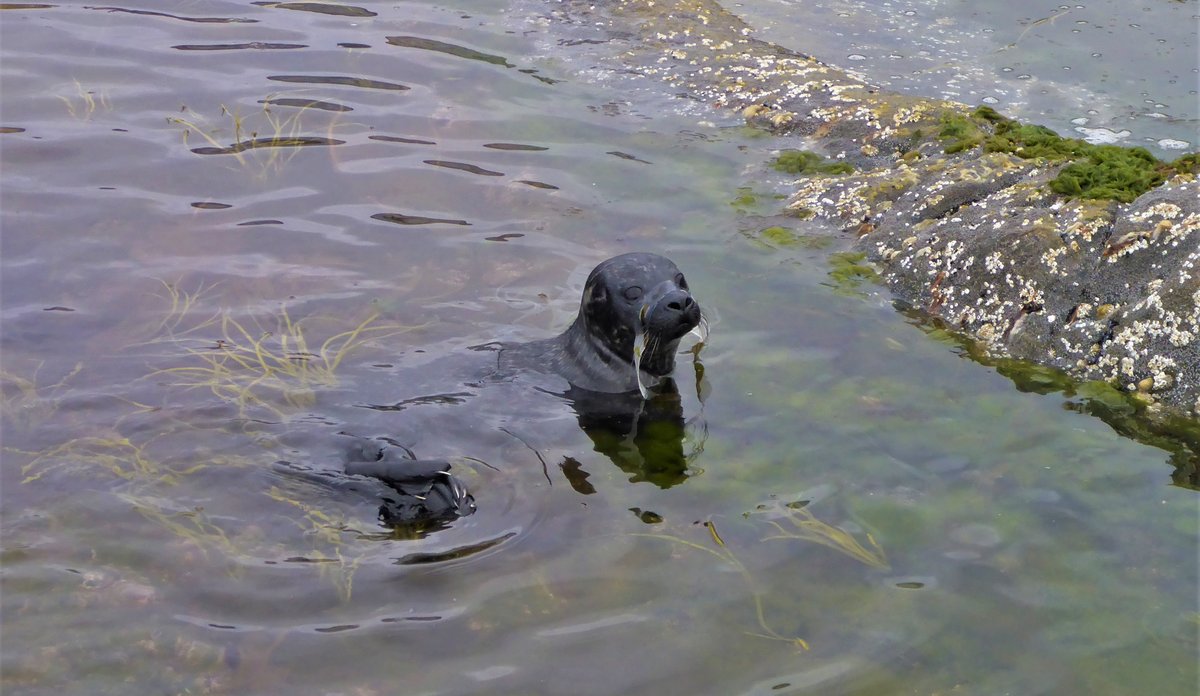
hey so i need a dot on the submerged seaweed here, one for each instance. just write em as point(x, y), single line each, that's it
point(793, 523)
point(259, 368)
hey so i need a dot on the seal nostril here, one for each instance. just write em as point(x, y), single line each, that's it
point(674, 305)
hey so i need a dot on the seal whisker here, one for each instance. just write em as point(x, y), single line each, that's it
point(639, 349)
point(700, 330)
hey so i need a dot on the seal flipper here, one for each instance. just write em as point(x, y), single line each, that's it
point(428, 492)
point(399, 471)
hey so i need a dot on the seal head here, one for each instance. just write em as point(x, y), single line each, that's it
point(635, 309)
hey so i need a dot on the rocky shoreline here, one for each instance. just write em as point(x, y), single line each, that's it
point(1079, 257)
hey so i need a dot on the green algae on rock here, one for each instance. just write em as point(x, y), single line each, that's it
point(806, 163)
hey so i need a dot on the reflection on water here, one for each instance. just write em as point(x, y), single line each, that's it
point(205, 272)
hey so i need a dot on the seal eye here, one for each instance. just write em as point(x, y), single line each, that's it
point(633, 293)
point(681, 282)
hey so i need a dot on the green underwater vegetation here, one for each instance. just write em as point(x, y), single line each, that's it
point(849, 270)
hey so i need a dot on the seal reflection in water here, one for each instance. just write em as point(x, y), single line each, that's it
point(618, 356)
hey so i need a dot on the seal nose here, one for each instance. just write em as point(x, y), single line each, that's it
point(678, 301)
point(678, 304)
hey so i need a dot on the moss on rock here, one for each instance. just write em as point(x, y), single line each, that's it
point(804, 163)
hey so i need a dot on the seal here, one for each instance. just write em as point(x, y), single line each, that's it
point(634, 311)
point(617, 355)
point(427, 494)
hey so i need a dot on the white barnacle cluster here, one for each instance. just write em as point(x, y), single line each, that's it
point(864, 114)
point(1085, 228)
point(832, 198)
point(1030, 293)
point(1050, 259)
point(909, 114)
point(928, 198)
point(1180, 230)
point(1164, 232)
point(991, 313)
point(829, 113)
point(1135, 337)
point(950, 254)
point(994, 262)
point(886, 253)
point(840, 93)
point(1164, 210)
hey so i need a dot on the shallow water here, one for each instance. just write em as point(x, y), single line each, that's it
point(851, 484)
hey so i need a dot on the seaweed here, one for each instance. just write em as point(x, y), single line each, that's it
point(242, 365)
point(849, 269)
point(90, 101)
point(282, 142)
point(802, 525)
point(963, 132)
point(804, 163)
point(1110, 172)
point(1101, 172)
point(258, 368)
point(723, 552)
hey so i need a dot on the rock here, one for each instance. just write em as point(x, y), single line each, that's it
point(1080, 256)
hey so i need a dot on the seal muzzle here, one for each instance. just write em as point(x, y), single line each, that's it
point(669, 312)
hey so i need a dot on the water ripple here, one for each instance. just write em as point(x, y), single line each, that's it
point(464, 167)
point(320, 8)
point(398, 139)
point(251, 46)
point(402, 219)
point(306, 104)
point(340, 80)
point(301, 141)
point(198, 20)
point(515, 146)
point(443, 47)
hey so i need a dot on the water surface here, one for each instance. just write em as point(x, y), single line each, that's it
point(1104, 70)
point(231, 230)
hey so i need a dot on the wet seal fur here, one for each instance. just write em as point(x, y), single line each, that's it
point(635, 309)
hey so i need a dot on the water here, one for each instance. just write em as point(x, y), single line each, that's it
point(850, 482)
point(1104, 70)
